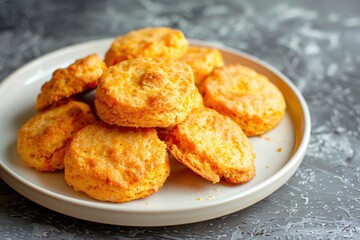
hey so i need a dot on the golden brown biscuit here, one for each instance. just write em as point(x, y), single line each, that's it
point(79, 77)
point(246, 96)
point(198, 99)
point(158, 42)
point(213, 146)
point(203, 61)
point(116, 164)
point(145, 92)
point(198, 102)
point(43, 139)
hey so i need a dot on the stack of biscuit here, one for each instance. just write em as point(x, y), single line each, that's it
point(154, 94)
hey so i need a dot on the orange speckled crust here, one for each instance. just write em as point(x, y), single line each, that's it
point(42, 141)
point(203, 61)
point(147, 42)
point(198, 102)
point(145, 92)
point(79, 77)
point(213, 146)
point(246, 96)
point(116, 164)
point(198, 99)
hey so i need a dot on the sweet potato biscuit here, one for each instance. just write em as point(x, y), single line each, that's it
point(198, 99)
point(202, 61)
point(198, 102)
point(43, 139)
point(116, 164)
point(147, 42)
point(80, 76)
point(145, 92)
point(246, 96)
point(213, 146)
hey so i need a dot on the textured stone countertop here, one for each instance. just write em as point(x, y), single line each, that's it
point(315, 43)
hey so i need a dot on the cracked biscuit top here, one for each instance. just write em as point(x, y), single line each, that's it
point(145, 92)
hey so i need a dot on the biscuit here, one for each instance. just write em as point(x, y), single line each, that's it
point(116, 164)
point(246, 96)
point(198, 99)
point(213, 146)
point(79, 77)
point(43, 139)
point(203, 61)
point(145, 92)
point(158, 42)
point(198, 102)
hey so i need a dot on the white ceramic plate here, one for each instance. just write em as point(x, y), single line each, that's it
point(185, 197)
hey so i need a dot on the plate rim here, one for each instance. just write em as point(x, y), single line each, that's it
point(291, 165)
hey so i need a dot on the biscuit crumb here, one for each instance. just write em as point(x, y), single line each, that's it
point(210, 197)
point(267, 166)
point(267, 138)
point(199, 199)
point(279, 149)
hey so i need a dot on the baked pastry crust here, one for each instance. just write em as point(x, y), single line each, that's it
point(158, 42)
point(116, 164)
point(246, 96)
point(213, 146)
point(145, 92)
point(42, 141)
point(198, 99)
point(79, 77)
point(203, 61)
